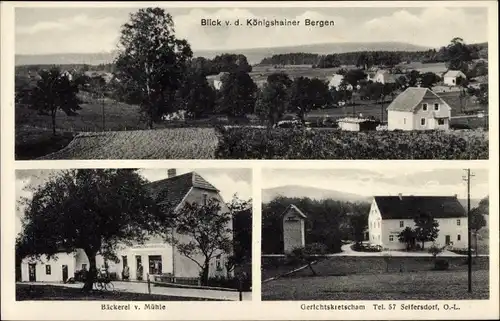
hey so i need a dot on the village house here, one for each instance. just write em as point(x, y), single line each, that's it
point(356, 124)
point(336, 80)
point(216, 80)
point(389, 215)
point(418, 109)
point(293, 228)
point(155, 257)
point(382, 76)
point(453, 77)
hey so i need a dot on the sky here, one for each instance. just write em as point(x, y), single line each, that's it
point(91, 30)
point(229, 181)
point(437, 182)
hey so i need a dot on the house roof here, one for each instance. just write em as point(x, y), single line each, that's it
point(407, 207)
point(141, 144)
point(409, 99)
point(173, 190)
point(454, 73)
point(296, 209)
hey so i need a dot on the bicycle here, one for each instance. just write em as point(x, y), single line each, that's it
point(104, 284)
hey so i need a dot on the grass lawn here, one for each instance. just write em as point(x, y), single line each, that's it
point(58, 293)
point(350, 265)
point(429, 285)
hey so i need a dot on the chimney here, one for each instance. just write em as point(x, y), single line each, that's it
point(171, 172)
point(400, 196)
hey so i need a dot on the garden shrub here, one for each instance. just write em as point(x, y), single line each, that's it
point(299, 143)
point(232, 283)
point(441, 264)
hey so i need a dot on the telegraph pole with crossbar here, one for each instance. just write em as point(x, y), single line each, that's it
point(469, 232)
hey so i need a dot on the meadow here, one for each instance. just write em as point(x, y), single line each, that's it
point(374, 278)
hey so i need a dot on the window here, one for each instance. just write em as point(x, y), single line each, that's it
point(436, 106)
point(401, 224)
point(391, 238)
point(459, 237)
point(424, 107)
point(440, 121)
point(124, 261)
point(218, 263)
point(458, 222)
point(422, 121)
point(205, 199)
point(47, 269)
point(84, 266)
point(404, 121)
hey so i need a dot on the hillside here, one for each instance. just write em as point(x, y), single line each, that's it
point(311, 192)
point(254, 55)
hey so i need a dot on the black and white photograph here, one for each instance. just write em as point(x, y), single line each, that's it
point(251, 83)
point(134, 235)
point(391, 234)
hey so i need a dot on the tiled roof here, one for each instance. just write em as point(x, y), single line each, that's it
point(408, 207)
point(409, 99)
point(173, 190)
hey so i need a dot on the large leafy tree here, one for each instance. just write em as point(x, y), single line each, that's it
point(409, 237)
point(477, 219)
point(458, 54)
point(96, 210)
point(359, 223)
point(201, 232)
point(195, 95)
point(426, 228)
point(151, 61)
point(242, 232)
point(273, 98)
point(54, 91)
point(237, 94)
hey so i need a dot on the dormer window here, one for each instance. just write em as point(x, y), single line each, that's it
point(424, 107)
point(436, 106)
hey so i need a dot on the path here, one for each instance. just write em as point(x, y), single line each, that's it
point(347, 251)
point(142, 287)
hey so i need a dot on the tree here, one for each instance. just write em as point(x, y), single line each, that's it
point(95, 210)
point(201, 232)
point(354, 76)
point(426, 229)
point(237, 94)
point(413, 78)
point(477, 220)
point(429, 79)
point(308, 254)
point(307, 94)
point(273, 98)
point(408, 236)
point(195, 95)
point(54, 91)
point(359, 223)
point(151, 61)
point(435, 250)
point(458, 54)
point(242, 232)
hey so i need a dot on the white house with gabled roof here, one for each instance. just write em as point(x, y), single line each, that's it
point(389, 215)
point(418, 108)
point(155, 256)
point(452, 77)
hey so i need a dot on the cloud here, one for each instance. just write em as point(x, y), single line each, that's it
point(66, 24)
point(381, 182)
point(433, 26)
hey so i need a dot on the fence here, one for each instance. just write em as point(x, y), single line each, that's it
point(170, 281)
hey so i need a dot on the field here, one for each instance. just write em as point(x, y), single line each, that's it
point(432, 285)
point(371, 278)
point(50, 293)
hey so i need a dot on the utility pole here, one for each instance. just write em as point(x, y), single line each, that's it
point(469, 232)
